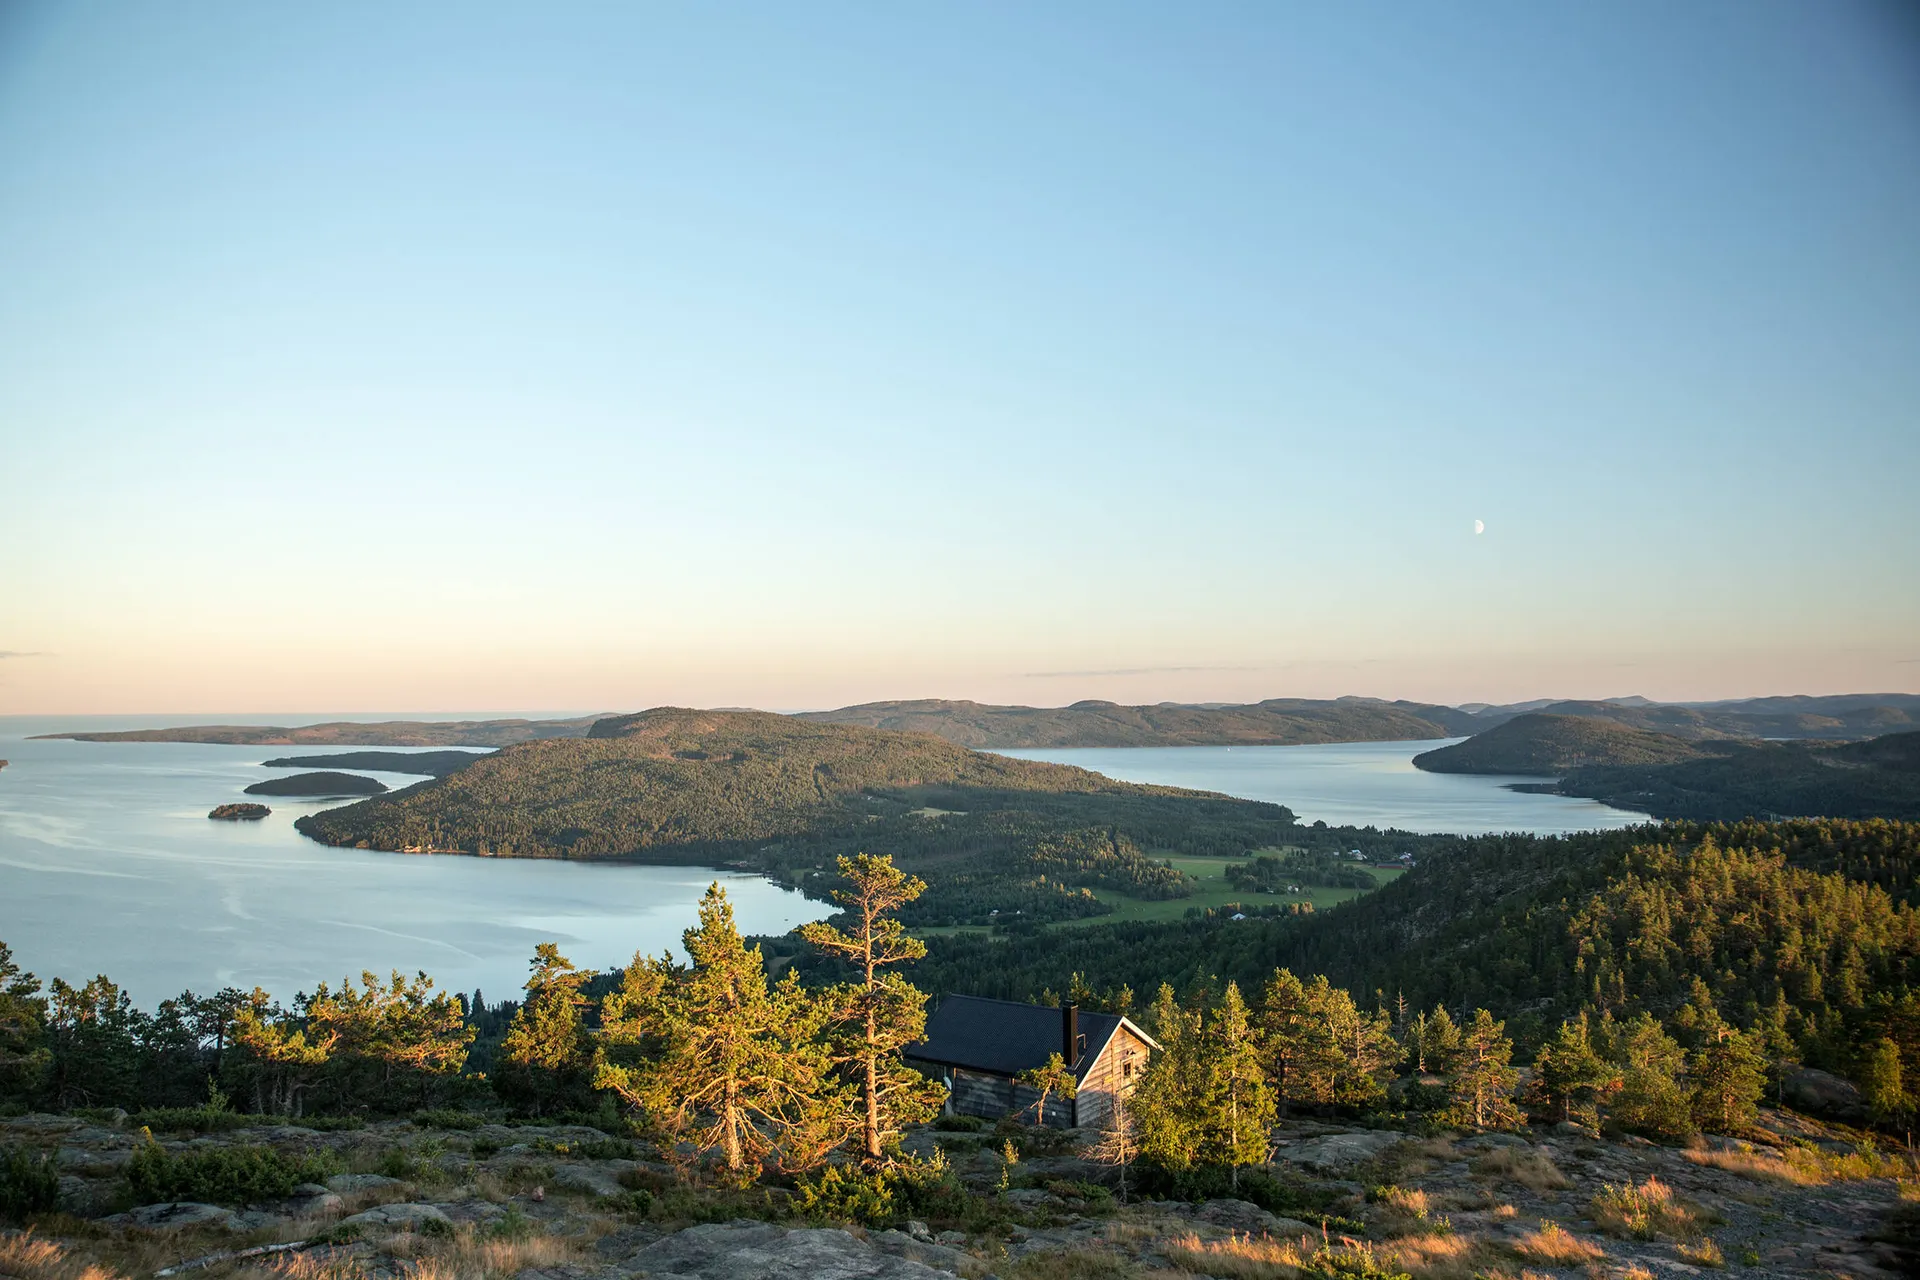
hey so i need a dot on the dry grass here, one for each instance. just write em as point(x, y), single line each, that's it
point(1636, 1272)
point(1077, 1264)
point(1434, 1257)
point(1524, 1165)
point(27, 1257)
point(1702, 1253)
point(314, 1264)
point(1801, 1166)
point(1504, 1213)
point(467, 1255)
point(1555, 1246)
point(1645, 1212)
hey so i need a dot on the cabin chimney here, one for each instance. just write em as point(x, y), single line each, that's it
point(1070, 1033)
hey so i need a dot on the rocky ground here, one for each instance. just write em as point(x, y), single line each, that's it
point(572, 1203)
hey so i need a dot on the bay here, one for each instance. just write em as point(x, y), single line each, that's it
point(1351, 784)
point(109, 864)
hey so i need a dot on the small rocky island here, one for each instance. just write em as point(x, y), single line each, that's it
point(319, 784)
point(240, 812)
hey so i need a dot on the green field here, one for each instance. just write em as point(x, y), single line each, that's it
point(1212, 890)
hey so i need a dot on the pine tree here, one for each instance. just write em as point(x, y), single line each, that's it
point(1237, 1097)
point(1571, 1079)
point(1051, 1079)
point(1440, 1042)
point(1729, 1079)
point(24, 1055)
point(1883, 1083)
point(546, 1055)
point(1170, 1102)
point(879, 1014)
point(1482, 1080)
point(1291, 1037)
point(1651, 1099)
point(740, 1070)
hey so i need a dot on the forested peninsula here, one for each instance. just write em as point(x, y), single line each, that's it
point(385, 733)
point(1705, 780)
point(430, 763)
point(319, 784)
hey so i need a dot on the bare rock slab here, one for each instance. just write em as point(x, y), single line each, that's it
point(745, 1250)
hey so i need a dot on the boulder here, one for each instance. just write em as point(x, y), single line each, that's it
point(1251, 1219)
point(595, 1180)
point(348, 1183)
point(1823, 1094)
point(744, 1250)
point(943, 1257)
point(1339, 1152)
point(178, 1215)
point(398, 1217)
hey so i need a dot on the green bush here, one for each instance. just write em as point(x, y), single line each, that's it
point(484, 1147)
point(195, 1120)
point(224, 1175)
point(960, 1124)
point(448, 1118)
point(28, 1184)
point(846, 1194)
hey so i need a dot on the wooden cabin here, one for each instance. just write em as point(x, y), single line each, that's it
point(977, 1046)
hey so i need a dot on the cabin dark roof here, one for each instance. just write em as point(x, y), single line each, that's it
point(1005, 1037)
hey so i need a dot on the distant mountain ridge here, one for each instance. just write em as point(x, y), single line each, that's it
point(1093, 723)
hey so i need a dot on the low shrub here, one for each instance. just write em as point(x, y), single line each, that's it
point(960, 1124)
point(1645, 1212)
point(224, 1175)
point(29, 1183)
point(841, 1193)
point(1555, 1246)
point(1702, 1253)
point(448, 1118)
point(195, 1120)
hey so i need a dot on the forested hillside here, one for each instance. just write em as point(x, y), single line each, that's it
point(1806, 929)
point(1275, 722)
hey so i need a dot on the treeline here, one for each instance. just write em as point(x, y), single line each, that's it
point(737, 1076)
point(1282, 872)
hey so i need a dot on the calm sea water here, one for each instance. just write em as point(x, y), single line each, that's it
point(109, 864)
point(1351, 783)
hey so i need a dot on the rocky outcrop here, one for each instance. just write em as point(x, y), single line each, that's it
point(746, 1250)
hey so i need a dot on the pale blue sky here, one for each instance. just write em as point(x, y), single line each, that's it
point(428, 357)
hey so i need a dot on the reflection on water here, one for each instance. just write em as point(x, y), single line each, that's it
point(109, 864)
point(1350, 784)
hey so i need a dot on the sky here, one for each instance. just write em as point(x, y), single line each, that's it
point(434, 357)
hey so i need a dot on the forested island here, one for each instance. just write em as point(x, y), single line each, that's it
point(431, 763)
point(319, 784)
point(239, 812)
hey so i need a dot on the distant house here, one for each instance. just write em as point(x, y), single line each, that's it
point(977, 1046)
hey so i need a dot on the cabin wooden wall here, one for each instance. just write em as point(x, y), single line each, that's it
point(1109, 1076)
point(977, 1093)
